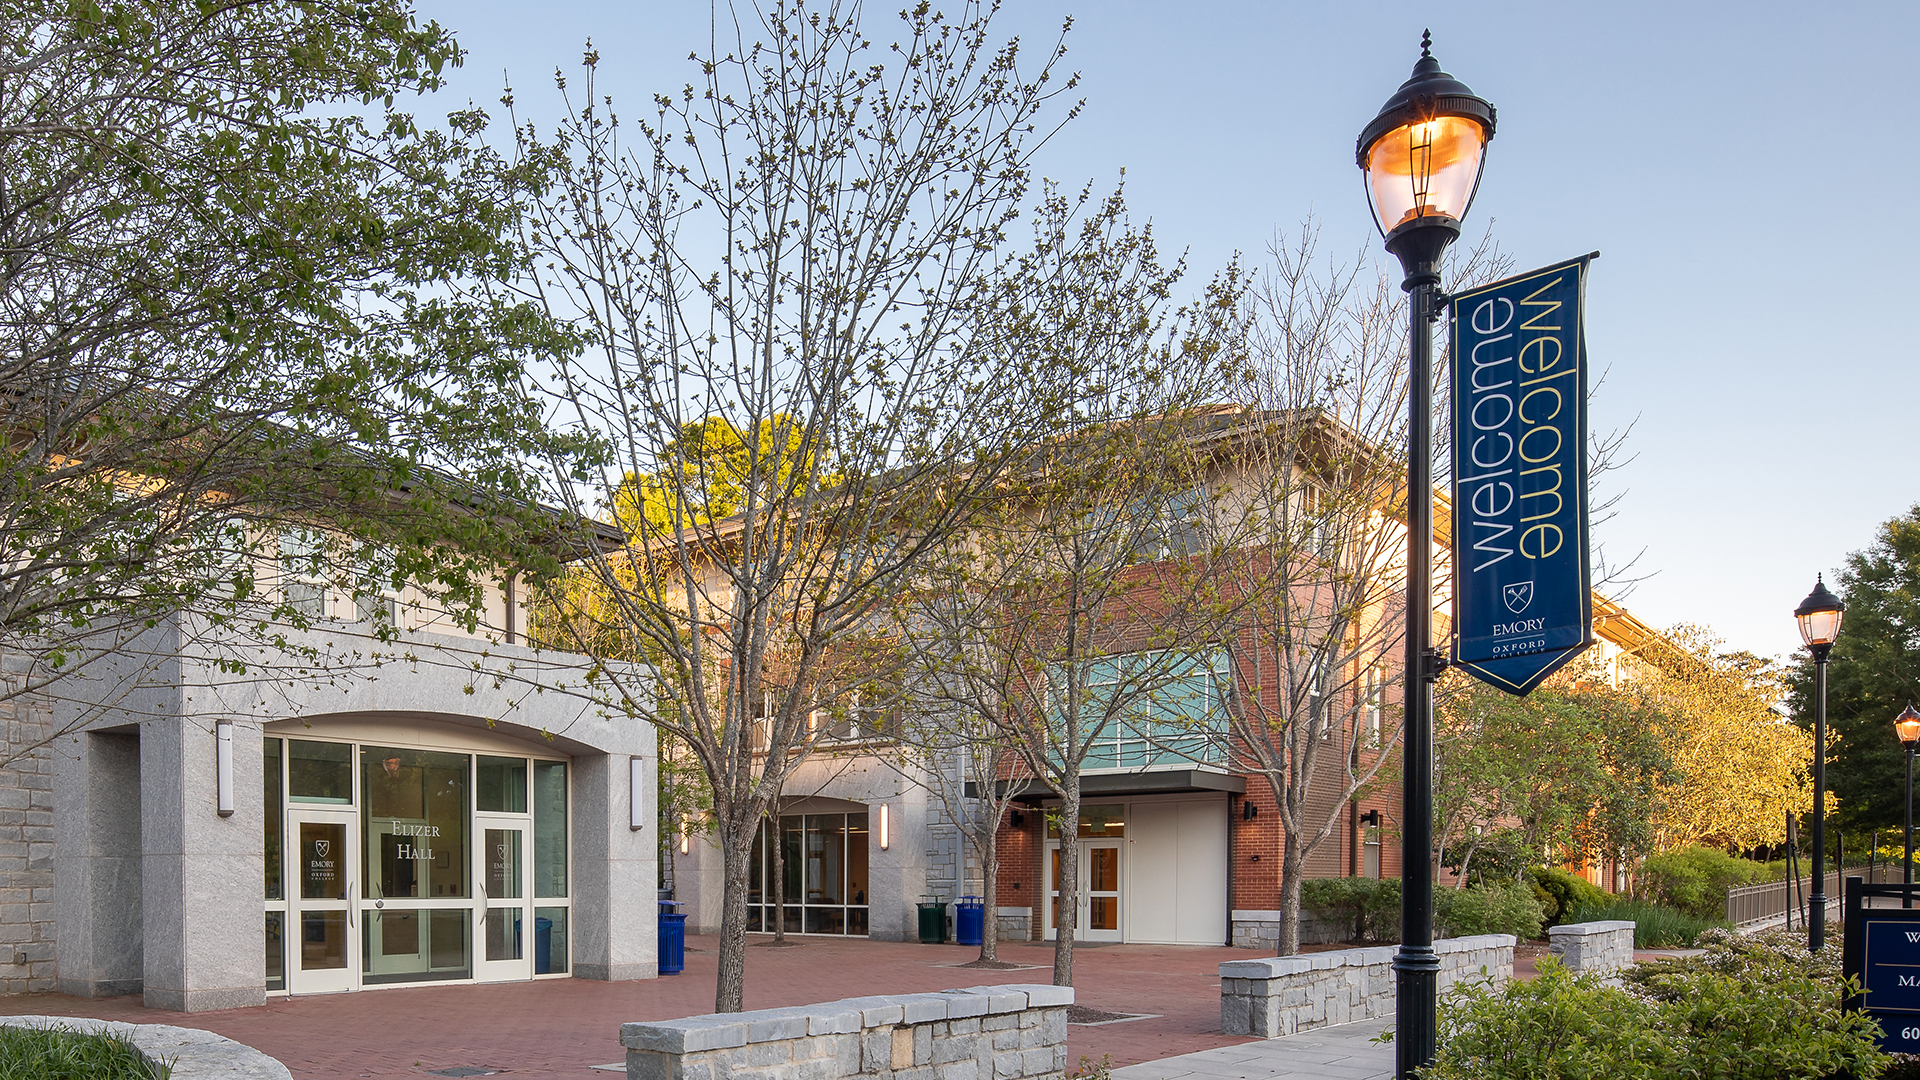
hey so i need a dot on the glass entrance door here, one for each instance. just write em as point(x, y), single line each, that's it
point(506, 950)
point(1099, 904)
point(324, 926)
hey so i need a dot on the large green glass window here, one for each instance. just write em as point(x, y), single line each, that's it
point(1173, 709)
point(416, 824)
point(319, 772)
point(502, 786)
point(550, 828)
point(275, 824)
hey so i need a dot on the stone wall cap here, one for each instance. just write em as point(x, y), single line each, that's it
point(714, 1031)
point(1043, 995)
point(1604, 926)
point(1254, 915)
point(196, 1054)
point(1270, 967)
point(1477, 941)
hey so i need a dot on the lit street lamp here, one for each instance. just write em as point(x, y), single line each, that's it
point(1422, 156)
point(1819, 616)
point(1907, 726)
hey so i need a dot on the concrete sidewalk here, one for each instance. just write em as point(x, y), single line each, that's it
point(1344, 1052)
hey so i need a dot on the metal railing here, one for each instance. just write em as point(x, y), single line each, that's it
point(1748, 904)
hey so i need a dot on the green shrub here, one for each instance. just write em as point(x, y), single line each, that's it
point(60, 1053)
point(1761, 1014)
point(1557, 1027)
point(1369, 907)
point(1488, 909)
point(1696, 879)
point(1654, 926)
point(1564, 892)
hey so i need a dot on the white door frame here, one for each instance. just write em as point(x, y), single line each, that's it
point(1082, 931)
point(516, 910)
point(342, 852)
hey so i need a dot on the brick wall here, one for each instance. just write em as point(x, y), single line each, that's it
point(26, 843)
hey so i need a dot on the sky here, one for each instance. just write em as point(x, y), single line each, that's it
point(1737, 166)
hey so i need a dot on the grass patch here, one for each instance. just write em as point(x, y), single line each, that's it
point(1654, 926)
point(61, 1053)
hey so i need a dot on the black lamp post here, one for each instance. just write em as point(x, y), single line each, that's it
point(1907, 726)
point(1819, 617)
point(1421, 156)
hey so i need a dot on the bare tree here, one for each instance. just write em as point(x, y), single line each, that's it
point(1316, 519)
point(792, 249)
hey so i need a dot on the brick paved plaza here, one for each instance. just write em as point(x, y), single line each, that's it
point(561, 1028)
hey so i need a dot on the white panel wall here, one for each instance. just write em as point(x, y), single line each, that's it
point(1177, 872)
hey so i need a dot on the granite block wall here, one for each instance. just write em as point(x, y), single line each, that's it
point(1603, 948)
point(981, 1033)
point(26, 838)
point(1283, 995)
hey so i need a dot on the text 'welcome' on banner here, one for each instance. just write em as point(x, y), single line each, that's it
point(1523, 604)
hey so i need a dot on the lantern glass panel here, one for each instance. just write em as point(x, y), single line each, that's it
point(1424, 169)
point(1820, 627)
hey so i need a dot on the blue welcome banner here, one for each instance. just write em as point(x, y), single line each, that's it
point(1523, 603)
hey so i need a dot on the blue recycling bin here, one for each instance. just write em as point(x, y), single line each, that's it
point(673, 939)
point(542, 946)
point(970, 920)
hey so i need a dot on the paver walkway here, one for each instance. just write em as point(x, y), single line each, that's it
point(561, 1028)
point(1345, 1052)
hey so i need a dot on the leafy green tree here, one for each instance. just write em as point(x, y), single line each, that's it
point(1873, 671)
point(229, 300)
point(1580, 765)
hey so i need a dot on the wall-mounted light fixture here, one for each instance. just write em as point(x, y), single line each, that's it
point(1248, 811)
point(885, 838)
point(223, 766)
point(636, 785)
point(1019, 819)
point(686, 839)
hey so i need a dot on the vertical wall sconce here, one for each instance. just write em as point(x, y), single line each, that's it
point(686, 839)
point(636, 785)
point(885, 839)
point(223, 766)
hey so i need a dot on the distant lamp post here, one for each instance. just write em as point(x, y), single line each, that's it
point(1907, 726)
point(1819, 616)
point(1422, 157)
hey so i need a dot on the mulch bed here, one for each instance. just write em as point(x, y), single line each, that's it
point(1080, 1014)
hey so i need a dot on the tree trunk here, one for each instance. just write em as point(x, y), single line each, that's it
point(777, 866)
point(990, 889)
point(730, 986)
point(1069, 884)
point(1292, 862)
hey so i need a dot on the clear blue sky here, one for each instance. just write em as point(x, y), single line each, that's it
point(1743, 169)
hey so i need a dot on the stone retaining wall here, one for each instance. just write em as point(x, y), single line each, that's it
point(194, 1054)
point(1281, 995)
point(1256, 929)
point(981, 1033)
point(1604, 948)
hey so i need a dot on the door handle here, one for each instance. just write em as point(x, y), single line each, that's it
point(350, 904)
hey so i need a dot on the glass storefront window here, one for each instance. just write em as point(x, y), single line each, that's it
point(319, 772)
point(550, 829)
point(271, 803)
point(824, 866)
point(1096, 820)
point(416, 821)
point(502, 785)
point(549, 940)
point(416, 945)
point(276, 951)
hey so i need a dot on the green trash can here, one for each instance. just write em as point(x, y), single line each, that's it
point(933, 921)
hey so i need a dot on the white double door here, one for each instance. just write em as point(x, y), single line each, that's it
point(1098, 909)
point(343, 932)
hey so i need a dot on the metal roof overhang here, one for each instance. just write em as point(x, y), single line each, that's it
point(1166, 782)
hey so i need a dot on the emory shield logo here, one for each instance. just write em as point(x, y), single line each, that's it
point(321, 847)
point(1518, 596)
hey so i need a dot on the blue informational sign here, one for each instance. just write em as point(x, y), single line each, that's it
point(1523, 604)
point(1890, 978)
